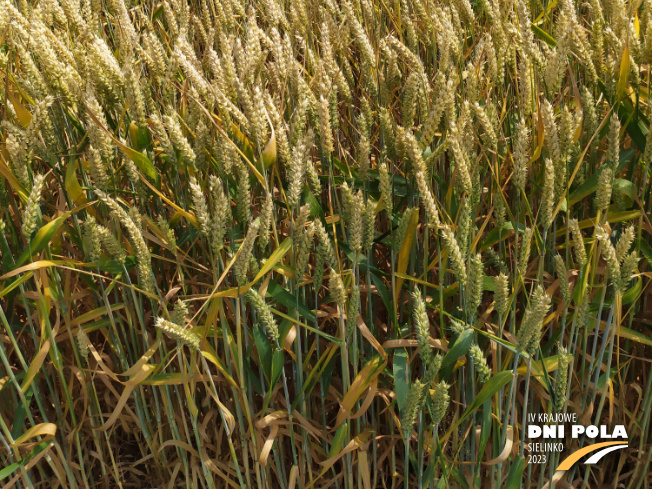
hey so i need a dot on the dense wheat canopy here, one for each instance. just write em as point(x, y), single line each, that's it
point(322, 243)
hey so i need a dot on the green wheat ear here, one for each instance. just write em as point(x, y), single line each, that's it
point(241, 265)
point(265, 315)
point(480, 363)
point(180, 313)
point(501, 293)
point(337, 290)
point(564, 285)
point(93, 238)
point(453, 248)
point(31, 213)
point(182, 335)
point(83, 343)
point(440, 402)
point(411, 407)
point(559, 392)
point(422, 327)
point(475, 282)
point(529, 334)
point(352, 310)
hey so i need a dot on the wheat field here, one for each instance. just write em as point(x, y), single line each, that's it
point(322, 243)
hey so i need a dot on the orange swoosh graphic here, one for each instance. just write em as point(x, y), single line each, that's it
point(569, 461)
